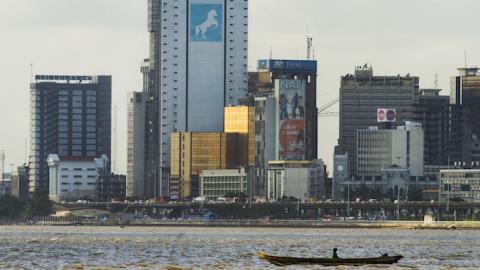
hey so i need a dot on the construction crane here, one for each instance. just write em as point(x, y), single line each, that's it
point(322, 110)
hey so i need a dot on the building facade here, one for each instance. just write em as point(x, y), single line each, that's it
point(74, 178)
point(69, 116)
point(138, 186)
point(298, 179)
point(20, 182)
point(198, 65)
point(361, 94)
point(463, 184)
point(110, 187)
point(241, 120)
point(340, 174)
point(219, 183)
point(465, 130)
point(381, 148)
point(432, 110)
point(193, 152)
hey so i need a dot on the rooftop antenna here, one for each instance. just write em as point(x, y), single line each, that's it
point(465, 58)
point(309, 47)
point(436, 81)
point(313, 53)
point(31, 71)
point(271, 53)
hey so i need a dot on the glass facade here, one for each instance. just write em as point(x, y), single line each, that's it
point(241, 120)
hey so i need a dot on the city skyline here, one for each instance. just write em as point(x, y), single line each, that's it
point(110, 37)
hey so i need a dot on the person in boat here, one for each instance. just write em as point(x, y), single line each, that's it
point(334, 255)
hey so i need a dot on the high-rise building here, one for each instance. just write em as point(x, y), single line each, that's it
point(361, 94)
point(137, 187)
point(69, 116)
point(381, 148)
point(465, 116)
point(198, 65)
point(193, 152)
point(432, 110)
point(20, 182)
point(241, 120)
point(340, 174)
point(2, 164)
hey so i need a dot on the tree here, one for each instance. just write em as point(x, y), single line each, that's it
point(10, 206)
point(38, 205)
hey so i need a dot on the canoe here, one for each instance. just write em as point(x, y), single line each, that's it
point(281, 261)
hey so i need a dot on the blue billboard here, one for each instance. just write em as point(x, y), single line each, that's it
point(288, 65)
point(206, 22)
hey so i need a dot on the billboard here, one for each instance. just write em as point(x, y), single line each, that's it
point(288, 65)
point(206, 21)
point(291, 113)
point(386, 115)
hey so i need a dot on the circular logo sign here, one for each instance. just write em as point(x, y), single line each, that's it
point(390, 115)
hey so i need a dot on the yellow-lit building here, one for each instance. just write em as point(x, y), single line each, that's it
point(241, 120)
point(192, 152)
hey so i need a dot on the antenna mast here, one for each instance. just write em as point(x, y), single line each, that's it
point(309, 47)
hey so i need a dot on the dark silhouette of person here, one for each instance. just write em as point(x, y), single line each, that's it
point(295, 105)
point(301, 107)
point(334, 254)
point(283, 107)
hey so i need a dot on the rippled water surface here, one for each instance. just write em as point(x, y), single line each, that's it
point(24, 247)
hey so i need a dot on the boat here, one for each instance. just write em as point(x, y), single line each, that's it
point(282, 261)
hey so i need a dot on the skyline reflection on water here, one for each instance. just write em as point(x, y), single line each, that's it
point(35, 247)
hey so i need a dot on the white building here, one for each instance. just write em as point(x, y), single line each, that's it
point(381, 148)
point(299, 179)
point(74, 178)
point(218, 183)
point(202, 52)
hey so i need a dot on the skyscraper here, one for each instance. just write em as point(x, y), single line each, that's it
point(198, 65)
point(136, 185)
point(69, 116)
point(465, 130)
point(361, 94)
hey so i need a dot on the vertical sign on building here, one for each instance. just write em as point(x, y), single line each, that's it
point(291, 110)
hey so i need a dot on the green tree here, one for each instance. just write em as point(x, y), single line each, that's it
point(10, 206)
point(38, 205)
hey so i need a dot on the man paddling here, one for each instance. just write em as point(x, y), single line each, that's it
point(334, 255)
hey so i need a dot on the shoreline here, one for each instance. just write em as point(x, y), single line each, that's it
point(311, 224)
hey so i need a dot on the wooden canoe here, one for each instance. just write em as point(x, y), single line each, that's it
point(281, 260)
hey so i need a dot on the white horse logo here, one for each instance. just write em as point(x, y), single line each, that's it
point(211, 21)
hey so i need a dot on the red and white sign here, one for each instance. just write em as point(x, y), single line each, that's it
point(386, 115)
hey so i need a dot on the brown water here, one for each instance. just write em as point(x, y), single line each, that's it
point(24, 247)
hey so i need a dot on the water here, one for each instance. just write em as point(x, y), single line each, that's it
point(24, 247)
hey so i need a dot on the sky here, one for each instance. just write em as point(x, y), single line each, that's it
point(109, 37)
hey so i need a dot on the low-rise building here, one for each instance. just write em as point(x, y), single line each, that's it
point(460, 184)
point(74, 178)
point(299, 179)
point(219, 183)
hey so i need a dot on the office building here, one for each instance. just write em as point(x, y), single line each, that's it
point(361, 94)
point(2, 164)
point(69, 116)
point(241, 120)
point(193, 152)
point(219, 183)
point(74, 178)
point(463, 184)
point(465, 116)
point(298, 179)
point(19, 187)
point(432, 110)
point(306, 106)
point(381, 148)
point(198, 65)
point(137, 185)
point(110, 187)
point(340, 174)
point(265, 130)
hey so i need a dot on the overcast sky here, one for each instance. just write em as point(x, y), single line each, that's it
point(420, 37)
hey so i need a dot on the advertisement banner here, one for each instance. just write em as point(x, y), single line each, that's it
point(206, 21)
point(386, 115)
point(291, 99)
